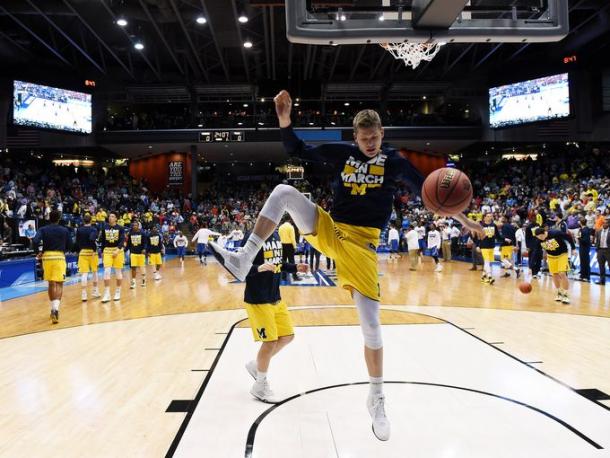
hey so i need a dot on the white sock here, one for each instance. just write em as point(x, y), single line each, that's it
point(376, 386)
point(118, 290)
point(55, 304)
point(253, 245)
point(261, 376)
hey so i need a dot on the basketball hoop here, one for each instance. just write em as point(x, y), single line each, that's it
point(413, 53)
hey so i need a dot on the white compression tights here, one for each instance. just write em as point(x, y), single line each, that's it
point(284, 199)
point(368, 311)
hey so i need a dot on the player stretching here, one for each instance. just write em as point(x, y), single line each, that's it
point(268, 314)
point(367, 178)
point(156, 250)
point(112, 241)
point(201, 238)
point(88, 260)
point(55, 239)
point(556, 244)
point(136, 245)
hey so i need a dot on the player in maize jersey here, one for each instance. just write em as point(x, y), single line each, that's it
point(269, 318)
point(557, 245)
point(55, 240)
point(137, 242)
point(112, 241)
point(156, 250)
point(367, 176)
point(88, 260)
point(486, 243)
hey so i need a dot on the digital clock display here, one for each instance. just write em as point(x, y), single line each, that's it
point(221, 136)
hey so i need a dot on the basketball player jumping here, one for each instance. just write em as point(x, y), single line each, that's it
point(367, 177)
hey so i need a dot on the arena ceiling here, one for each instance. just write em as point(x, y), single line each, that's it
point(81, 38)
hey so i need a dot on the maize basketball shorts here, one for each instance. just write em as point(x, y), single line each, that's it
point(88, 261)
point(137, 260)
point(558, 264)
point(116, 262)
point(488, 254)
point(54, 266)
point(354, 249)
point(155, 259)
point(269, 321)
point(506, 252)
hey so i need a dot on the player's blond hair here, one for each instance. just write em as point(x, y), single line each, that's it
point(366, 119)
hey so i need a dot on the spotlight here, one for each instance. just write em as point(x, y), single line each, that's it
point(247, 44)
point(242, 18)
point(121, 22)
point(201, 20)
point(139, 45)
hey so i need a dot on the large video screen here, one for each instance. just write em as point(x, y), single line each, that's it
point(529, 101)
point(48, 107)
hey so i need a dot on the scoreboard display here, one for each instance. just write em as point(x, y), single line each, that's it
point(222, 136)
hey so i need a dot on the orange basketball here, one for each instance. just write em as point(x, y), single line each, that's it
point(447, 191)
point(525, 287)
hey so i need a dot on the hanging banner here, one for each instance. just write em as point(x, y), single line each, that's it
point(176, 173)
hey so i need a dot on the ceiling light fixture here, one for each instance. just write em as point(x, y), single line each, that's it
point(122, 22)
point(201, 20)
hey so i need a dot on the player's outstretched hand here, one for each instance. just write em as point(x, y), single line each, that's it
point(303, 268)
point(469, 224)
point(283, 106)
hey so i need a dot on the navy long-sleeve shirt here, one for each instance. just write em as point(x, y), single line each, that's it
point(137, 242)
point(363, 187)
point(53, 238)
point(491, 236)
point(112, 236)
point(86, 237)
point(508, 231)
point(155, 243)
point(264, 287)
point(557, 243)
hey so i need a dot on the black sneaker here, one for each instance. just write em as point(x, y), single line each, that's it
point(55, 316)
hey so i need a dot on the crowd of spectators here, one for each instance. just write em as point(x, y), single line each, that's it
point(560, 187)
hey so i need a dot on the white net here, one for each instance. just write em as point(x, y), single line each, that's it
point(413, 53)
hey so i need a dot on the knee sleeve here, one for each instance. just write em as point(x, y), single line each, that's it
point(119, 274)
point(107, 272)
point(368, 311)
point(83, 279)
point(284, 199)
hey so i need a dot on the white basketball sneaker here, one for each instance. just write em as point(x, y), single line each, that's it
point(262, 392)
point(381, 424)
point(439, 268)
point(106, 297)
point(252, 368)
point(96, 294)
point(235, 263)
point(83, 295)
point(117, 295)
point(157, 276)
point(133, 284)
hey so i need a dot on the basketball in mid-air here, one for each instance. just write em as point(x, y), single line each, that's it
point(447, 191)
point(525, 287)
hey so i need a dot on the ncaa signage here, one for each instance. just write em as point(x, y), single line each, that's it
point(176, 173)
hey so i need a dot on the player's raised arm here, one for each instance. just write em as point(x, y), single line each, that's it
point(294, 146)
